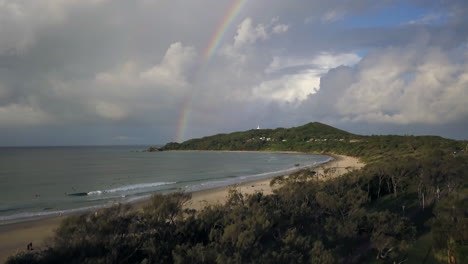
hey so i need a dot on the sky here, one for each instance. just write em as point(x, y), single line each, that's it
point(119, 72)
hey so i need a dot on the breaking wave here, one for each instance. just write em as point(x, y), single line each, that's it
point(122, 189)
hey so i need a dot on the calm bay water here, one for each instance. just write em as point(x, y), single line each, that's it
point(44, 181)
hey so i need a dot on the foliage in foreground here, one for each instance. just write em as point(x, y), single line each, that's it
point(304, 221)
point(412, 186)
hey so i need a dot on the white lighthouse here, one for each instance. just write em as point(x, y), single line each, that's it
point(258, 127)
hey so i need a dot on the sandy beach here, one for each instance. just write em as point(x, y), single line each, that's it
point(14, 237)
point(340, 165)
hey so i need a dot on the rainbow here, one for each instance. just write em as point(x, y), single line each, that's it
point(183, 118)
point(228, 18)
point(213, 45)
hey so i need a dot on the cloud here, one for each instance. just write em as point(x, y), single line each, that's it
point(133, 87)
point(426, 19)
point(280, 28)
point(248, 34)
point(332, 16)
point(127, 67)
point(289, 88)
point(15, 115)
point(173, 68)
point(130, 91)
point(4, 92)
point(300, 76)
point(414, 84)
point(244, 47)
point(111, 111)
point(323, 61)
point(21, 22)
point(170, 72)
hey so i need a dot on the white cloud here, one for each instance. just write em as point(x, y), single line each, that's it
point(173, 68)
point(248, 34)
point(416, 84)
point(327, 60)
point(426, 19)
point(129, 91)
point(171, 72)
point(243, 51)
point(299, 84)
point(281, 28)
point(131, 86)
point(289, 88)
point(125, 74)
point(323, 61)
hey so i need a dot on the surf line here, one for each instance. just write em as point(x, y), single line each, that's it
point(231, 14)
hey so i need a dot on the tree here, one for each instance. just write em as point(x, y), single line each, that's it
point(399, 171)
point(450, 227)
point(163, 208)
point(390, 233)
point(319, 255)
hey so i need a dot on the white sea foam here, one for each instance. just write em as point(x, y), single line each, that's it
point(95, 192)
point(134, 192)
point(130, 187)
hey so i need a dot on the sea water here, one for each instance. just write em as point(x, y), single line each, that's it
point(46, 181)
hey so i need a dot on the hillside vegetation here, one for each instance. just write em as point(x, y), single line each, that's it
point(267, 139)
point(409, 204)
point(320, 138)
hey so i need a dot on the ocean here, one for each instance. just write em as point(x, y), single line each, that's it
point(47, 181)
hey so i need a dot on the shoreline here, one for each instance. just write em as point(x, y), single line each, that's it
point(143, 197)
point(248, 151)
point(202, 198)
point(15, 236)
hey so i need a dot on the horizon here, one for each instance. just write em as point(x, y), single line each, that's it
point(164, 143)
point(114, 72)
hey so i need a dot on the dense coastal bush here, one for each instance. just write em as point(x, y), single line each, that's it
point(408, 205)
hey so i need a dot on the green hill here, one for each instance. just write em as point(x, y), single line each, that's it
point(266, 139)
point(320, 138)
